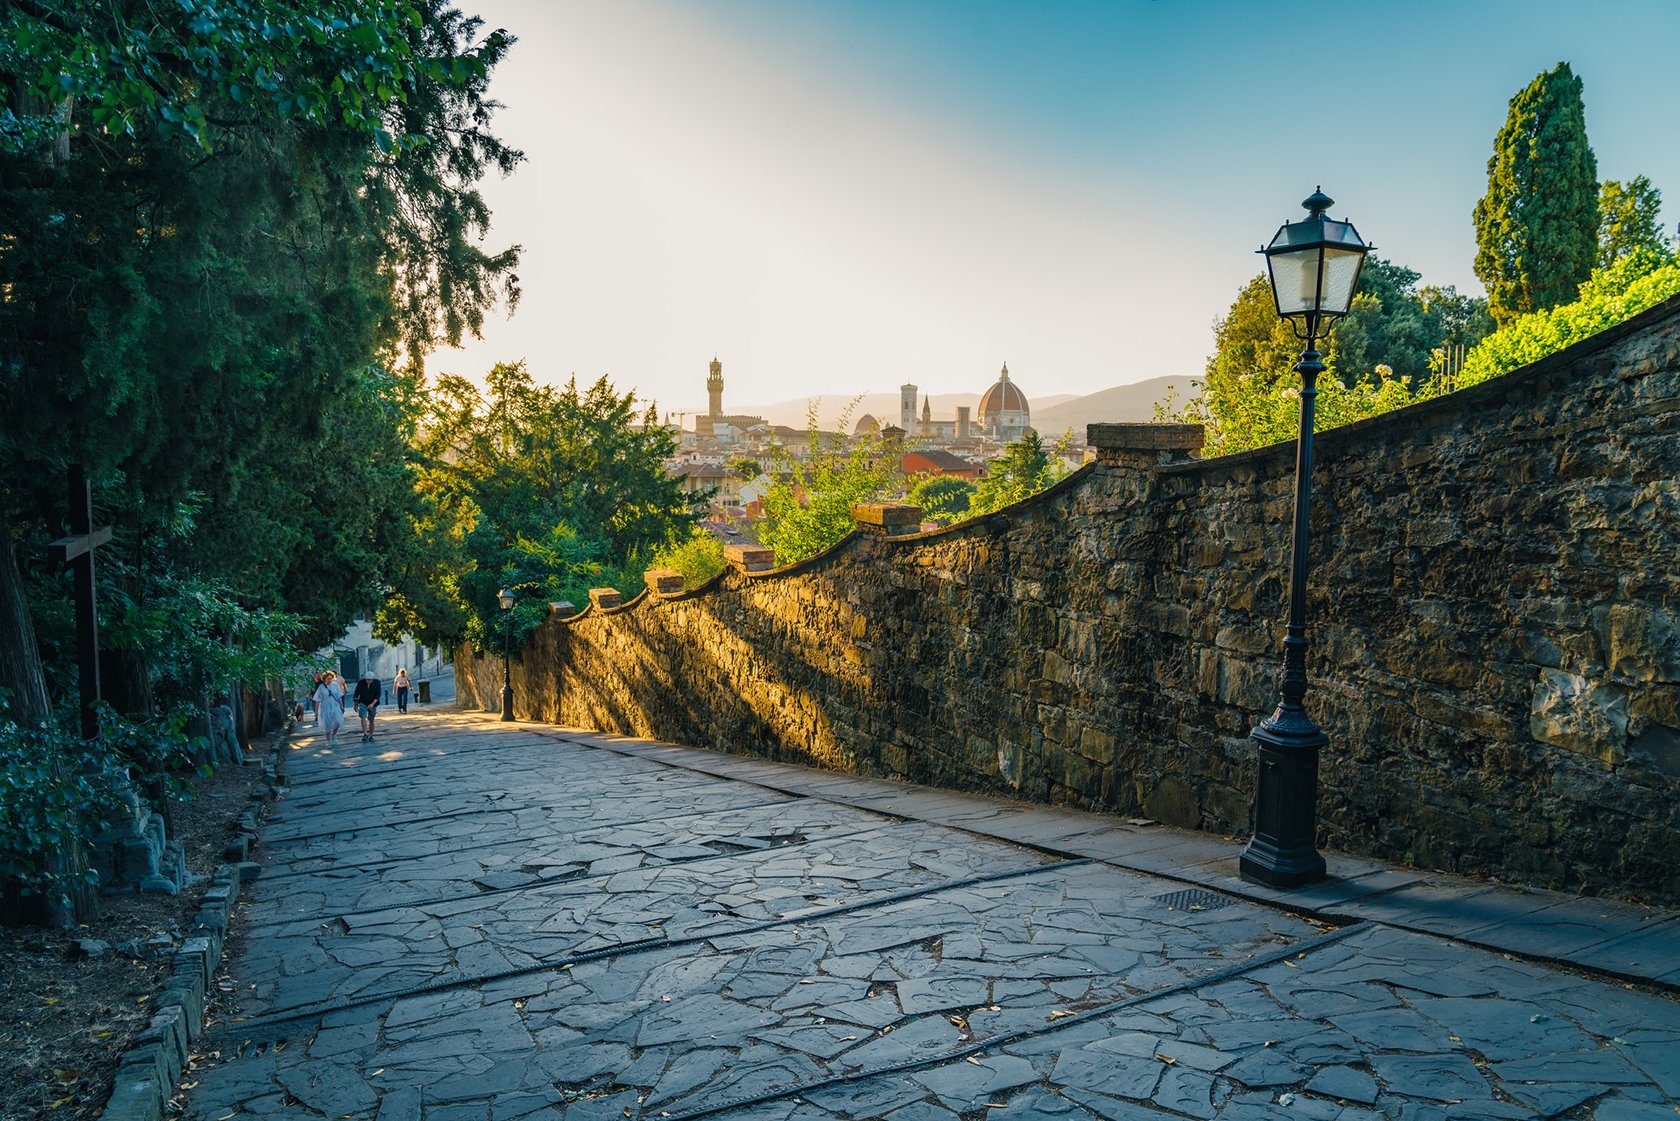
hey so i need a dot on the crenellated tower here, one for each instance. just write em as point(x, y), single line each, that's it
point(714, 389)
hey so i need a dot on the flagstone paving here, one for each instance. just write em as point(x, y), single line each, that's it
point(471, 919)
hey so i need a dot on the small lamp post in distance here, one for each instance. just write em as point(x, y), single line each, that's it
point(506, 598)
point(1314, 266)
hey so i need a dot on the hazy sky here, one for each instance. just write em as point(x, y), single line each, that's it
point(839, 197)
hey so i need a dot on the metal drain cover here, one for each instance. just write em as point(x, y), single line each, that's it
point(1192, 899)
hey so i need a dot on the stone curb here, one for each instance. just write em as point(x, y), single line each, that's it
point(149, 1071)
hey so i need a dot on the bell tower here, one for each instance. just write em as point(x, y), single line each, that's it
point(907, 408)
point(714, 389)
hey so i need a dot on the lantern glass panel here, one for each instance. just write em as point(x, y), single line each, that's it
point(1341, 277)
point(506, 598)
point(1295, 281)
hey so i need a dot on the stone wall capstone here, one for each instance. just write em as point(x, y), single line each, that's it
point(1495, 612)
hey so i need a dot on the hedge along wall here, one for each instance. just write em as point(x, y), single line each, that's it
point(1493, 603)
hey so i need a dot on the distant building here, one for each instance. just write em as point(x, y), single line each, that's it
point(716, 423)
point(701, 476)
point(1003, 410)
point(932, 461)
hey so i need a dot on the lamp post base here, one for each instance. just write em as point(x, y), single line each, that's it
point(1283, 852)
point(507, 702)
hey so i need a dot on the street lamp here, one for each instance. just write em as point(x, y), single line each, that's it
point(506, 597)
point(1314, 266)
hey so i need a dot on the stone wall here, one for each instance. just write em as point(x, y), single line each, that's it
point(1494, 597)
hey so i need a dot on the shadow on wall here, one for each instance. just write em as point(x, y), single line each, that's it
point(1496, 659)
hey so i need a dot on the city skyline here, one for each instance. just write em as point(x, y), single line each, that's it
point(839, 199)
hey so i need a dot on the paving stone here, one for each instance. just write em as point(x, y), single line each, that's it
point(1111, 1109)
point(1603, 1065)
point(1618, 1109)
point(1034, 1104)
point(920, 1111)
point(685, 1073)
point(967, 1085)
point(1657, 1054)
point(928, 1037)
point(586, 850)
point(329, 1089)
point(1549, 1099)
point(1444, 1078)
point(1344, 1082)
point(872, 1097)
point(400, 1105)
point(1105, 1072)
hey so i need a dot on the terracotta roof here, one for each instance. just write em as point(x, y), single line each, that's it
point(1003, 396)
point(941, 460)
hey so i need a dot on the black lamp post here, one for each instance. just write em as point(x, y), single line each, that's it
point(1314, 265)
point(506, 598)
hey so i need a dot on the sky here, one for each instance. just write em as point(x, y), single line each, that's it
point(840, 197)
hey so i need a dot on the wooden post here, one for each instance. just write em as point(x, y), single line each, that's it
point(77, 552)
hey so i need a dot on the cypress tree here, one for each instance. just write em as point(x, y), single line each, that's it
point(1537, 226)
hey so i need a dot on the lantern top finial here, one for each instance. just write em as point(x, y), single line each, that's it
point(1317, 202)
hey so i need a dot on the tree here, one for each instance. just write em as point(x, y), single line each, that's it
point(1537, 226)
point(1462, 320)
point(1388, 325)
point(549, 491)
point(745, 467)
point(1629, 219)
point(808, 507)
point(698, 559)
point(222, 228)
point(1025, 468)
point(1253, 348)
point(943, 498)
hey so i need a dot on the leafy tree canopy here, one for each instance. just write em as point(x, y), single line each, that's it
point(808, 506)
point(1382, 355)
point(221, 331)
point(1537, 226)
point(192, 68)
point(699, 558)
point(1629, 219)
point(943, 498)
point(1025, 468)
point(548, 491)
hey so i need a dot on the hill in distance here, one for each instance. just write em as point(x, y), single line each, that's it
point(1051, 414)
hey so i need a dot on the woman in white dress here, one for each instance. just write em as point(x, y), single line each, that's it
point(329, 706)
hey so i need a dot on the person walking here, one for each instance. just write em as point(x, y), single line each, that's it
point(401, 682)
point(367, 695)
point(315, 687)
point(329, 706)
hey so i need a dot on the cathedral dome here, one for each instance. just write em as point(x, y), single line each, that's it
point(1004, 403)
point(866, 423)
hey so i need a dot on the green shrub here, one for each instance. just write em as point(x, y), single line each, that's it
point(1618, 292)
point(55, 792)
point(698, 559)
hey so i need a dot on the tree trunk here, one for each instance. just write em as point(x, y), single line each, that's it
point(21, 673)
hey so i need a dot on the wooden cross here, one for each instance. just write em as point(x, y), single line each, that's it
point(77, 552)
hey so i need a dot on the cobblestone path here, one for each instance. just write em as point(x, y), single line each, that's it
point(469, 919)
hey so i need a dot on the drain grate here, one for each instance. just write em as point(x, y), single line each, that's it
point(1192, 899)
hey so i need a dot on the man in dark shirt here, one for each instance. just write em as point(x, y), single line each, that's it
point(366, 697)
